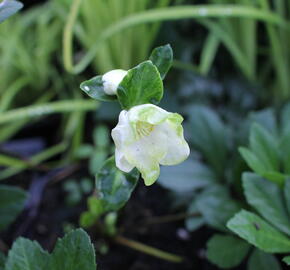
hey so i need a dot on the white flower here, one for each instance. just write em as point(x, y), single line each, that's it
point(112, 79)
point(147, 136)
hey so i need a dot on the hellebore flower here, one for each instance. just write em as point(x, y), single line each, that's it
point(112, 79)
point(147, 136)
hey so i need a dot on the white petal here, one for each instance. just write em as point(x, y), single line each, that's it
point(112, 79)
point(146, 153)
point(178, 149)
point(121, 162)
point(122, 134)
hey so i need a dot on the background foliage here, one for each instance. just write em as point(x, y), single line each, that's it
point(230, 79)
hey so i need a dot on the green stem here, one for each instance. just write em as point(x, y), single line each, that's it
point(34, 161)
point(170, 218)
point(175, 13)
point(11, 161)
point(68, 33)
point(148, 250)
point(48, 108)
point(185, 66)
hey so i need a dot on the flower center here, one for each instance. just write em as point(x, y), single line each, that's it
point(144, 128)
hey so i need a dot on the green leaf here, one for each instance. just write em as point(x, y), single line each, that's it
point(95, 206)
point(287, 194)
point(84, 151)
point(226, 251)
point(141, 85)
point(260, 260)
point(8, 8)
point(27, 255)
point(12, 201)
point(209, 135)
point(101, 136)
point(252, 160)
point(266, 118)
point(191, 175)
point(2, 261)
point(162, 58)
point(285, 151)
point(266, 198)
point(216, 206)
point(286, 260)
point(285, 116)
point(87, 219)
point(258, 232)
point(114, 187)
point(265, 147)
point(95, 89)
point(275, 177)
point(194, 222)
point(73, 252)
point(257, 165)
point(97, 160)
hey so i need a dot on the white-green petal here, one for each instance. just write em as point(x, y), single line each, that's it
point(146, 153)
point(147, 136)
point(123, 134)
point(121, 161)
point(147, 113)
point(178, 149)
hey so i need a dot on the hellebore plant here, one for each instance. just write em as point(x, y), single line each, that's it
point(146, 136)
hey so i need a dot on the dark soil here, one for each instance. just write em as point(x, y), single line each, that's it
point(46, 213)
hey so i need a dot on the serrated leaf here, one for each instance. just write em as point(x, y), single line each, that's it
point(8, 8)
point(73, 252)
point(258, 232)
point(266, 198)
point(114, 187)
point(27, 255)
point(260, 260)
point(12, 201)
point(216, 206)
point(94, 88)
point(286, 260)
point(191, 175)
point(226, 251)
point(142, 85)
point(209, 136)
point(265, 147)
point(162, 58)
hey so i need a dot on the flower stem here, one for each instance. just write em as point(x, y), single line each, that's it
point(148, 249)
